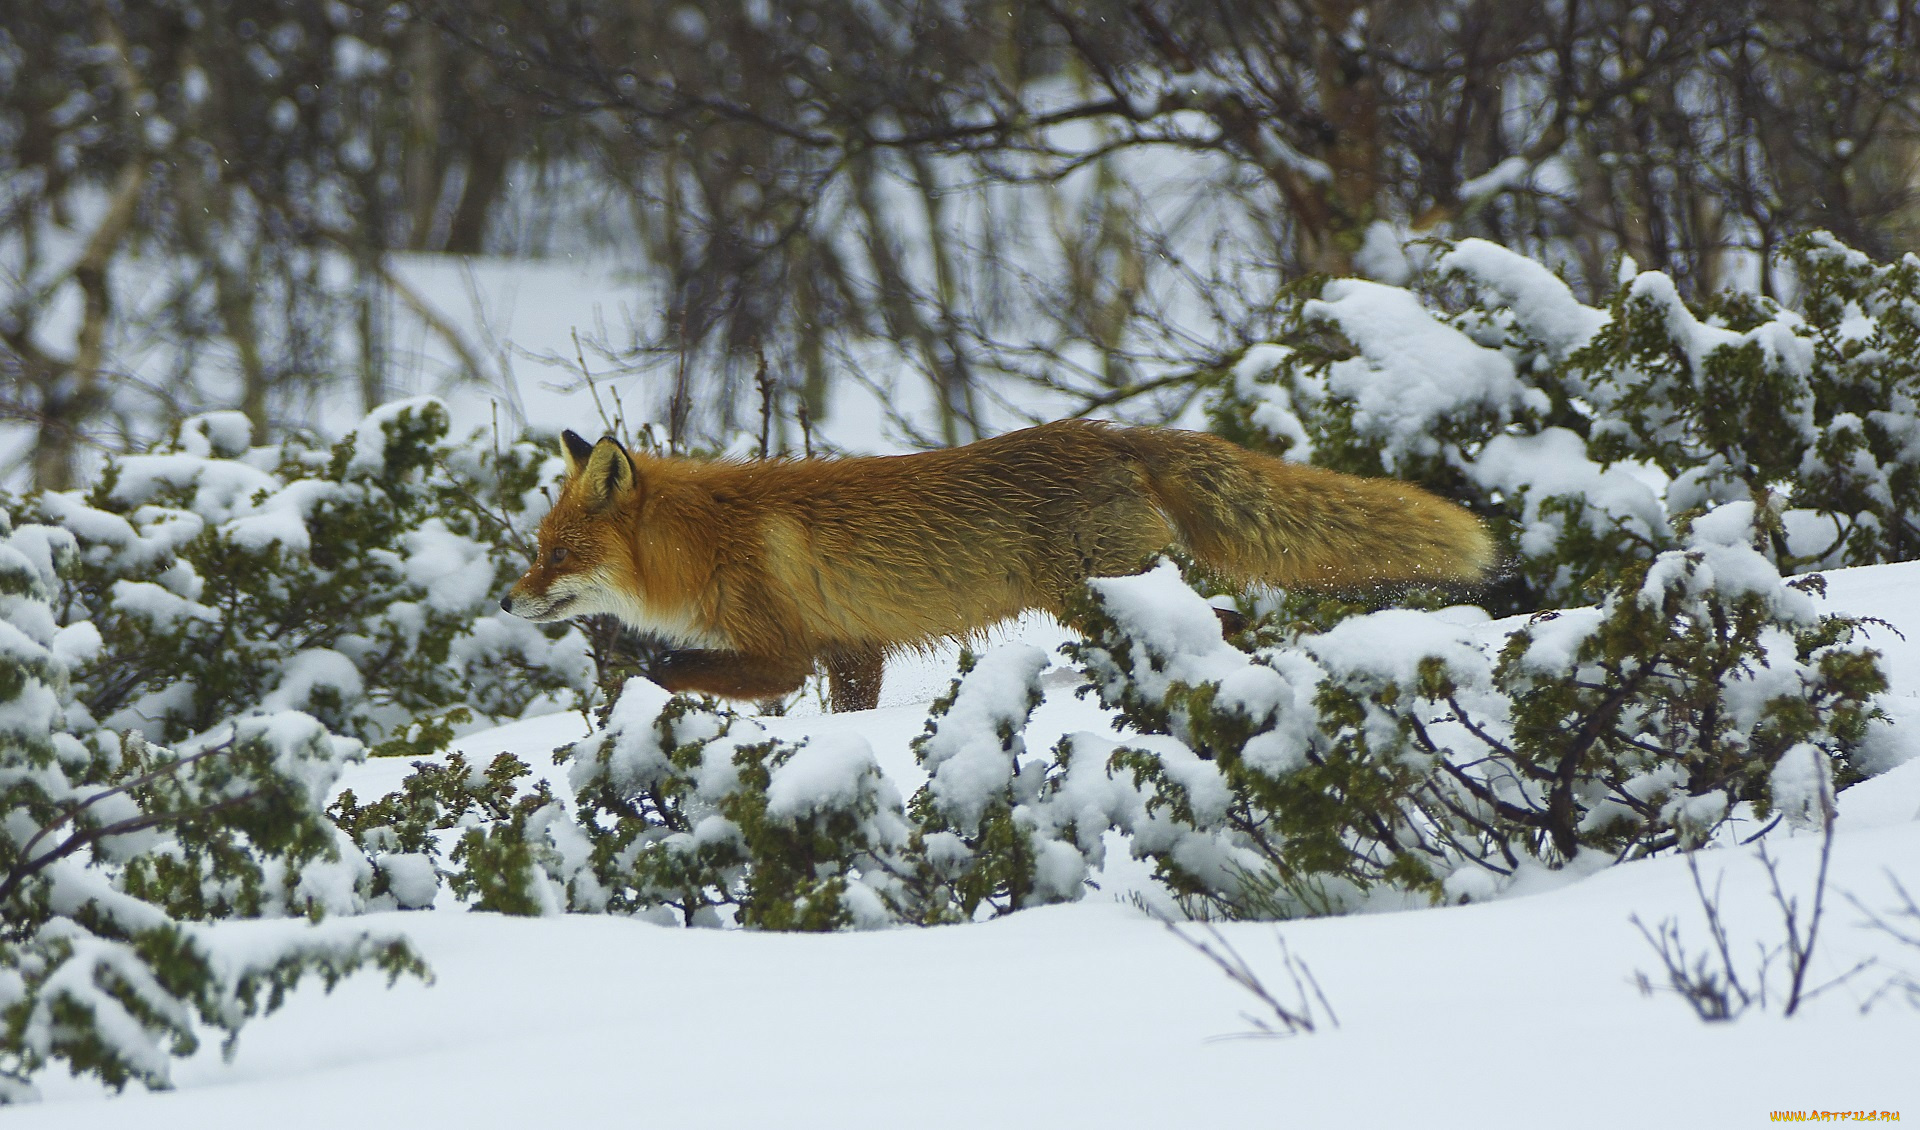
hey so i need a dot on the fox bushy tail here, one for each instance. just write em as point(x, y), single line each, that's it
point(1254, 518)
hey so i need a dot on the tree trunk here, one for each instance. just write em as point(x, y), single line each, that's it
point(67, 404)
point(486, 176)
point(1350, 97)
point(426, 168)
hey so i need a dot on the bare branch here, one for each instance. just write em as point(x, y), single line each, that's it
point(1289, 1019)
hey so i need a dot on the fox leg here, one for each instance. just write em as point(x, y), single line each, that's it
point(853, 679)
point(730, 674)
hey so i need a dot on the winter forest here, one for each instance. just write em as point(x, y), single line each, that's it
point(297, 297)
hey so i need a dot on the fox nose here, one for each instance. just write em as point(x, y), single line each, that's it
point(506, 603)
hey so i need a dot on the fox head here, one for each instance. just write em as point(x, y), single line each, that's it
point(585, 560)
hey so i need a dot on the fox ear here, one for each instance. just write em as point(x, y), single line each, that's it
point(574, 450)
point(608, 472)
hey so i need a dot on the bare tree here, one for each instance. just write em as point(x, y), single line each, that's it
point(1097, 203)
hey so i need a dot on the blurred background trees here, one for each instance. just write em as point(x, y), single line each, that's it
point(1017, 207)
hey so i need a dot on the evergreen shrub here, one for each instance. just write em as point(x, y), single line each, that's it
point(1664, 476)
point(192, 648)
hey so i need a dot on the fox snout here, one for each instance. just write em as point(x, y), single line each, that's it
point(553, 605)
point(524, 600)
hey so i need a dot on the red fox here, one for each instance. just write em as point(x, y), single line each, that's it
point(772, 569)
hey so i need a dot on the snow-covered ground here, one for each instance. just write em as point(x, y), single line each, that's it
point(1519, 1012)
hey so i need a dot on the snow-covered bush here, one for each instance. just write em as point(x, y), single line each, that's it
point(192, 648)
point(358, 583)
point(1428, 755)
point(491, 864)
point(990, 834)
point(111, 844)
point(1667, 462)
point(1585, 434)
point(692, 813)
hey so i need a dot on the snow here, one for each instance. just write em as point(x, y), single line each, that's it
point(1380, 257)
point(76, 643)
point(453, 569)
point(281, 518)
point(220, 486)
point(966, 760)
point(1775, 337)
point(1721, 557)
point(1553, 464)
point(1509, 173)
point(303, 751)
point(216, 434)
point(634, 760)
point(156, 604)
point(1089, 1014)
point(34, 551)
point(1269, 414)
point(1544, 305)
point(730, 1029)
point(1413, 370)
point(1392, 643)
point(315, 668)
point(1083, 1015)
point(411, 877)
point(1801, 780)
point(738, 1029)
point(1177, 633)
point(370, 435)
point(822, 775)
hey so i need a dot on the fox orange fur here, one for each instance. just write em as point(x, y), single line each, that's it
point(773, 569)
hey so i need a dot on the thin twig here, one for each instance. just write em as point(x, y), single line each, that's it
point(28, 868)
point(586, 374)
point(72, 812)
point(766, 403)
point(1293, 1019)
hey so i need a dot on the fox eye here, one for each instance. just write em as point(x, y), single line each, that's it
point(558, 555)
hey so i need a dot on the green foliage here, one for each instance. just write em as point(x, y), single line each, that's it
point(233, 803)
point(658, 839)
point(1673, 712)
point(120, 1008)
point(794, 872)
point(352, 583)
point(1665, 462)
point(189, 651)
point(1277, 796)
point(116, 848)
point(491, 864)
point(425, 736)
point(988, 833)
point(1404, 755)
point(1326, 753)
point(690, 813)
point(684, 812)
point(1559, 423)
point(699, 811)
